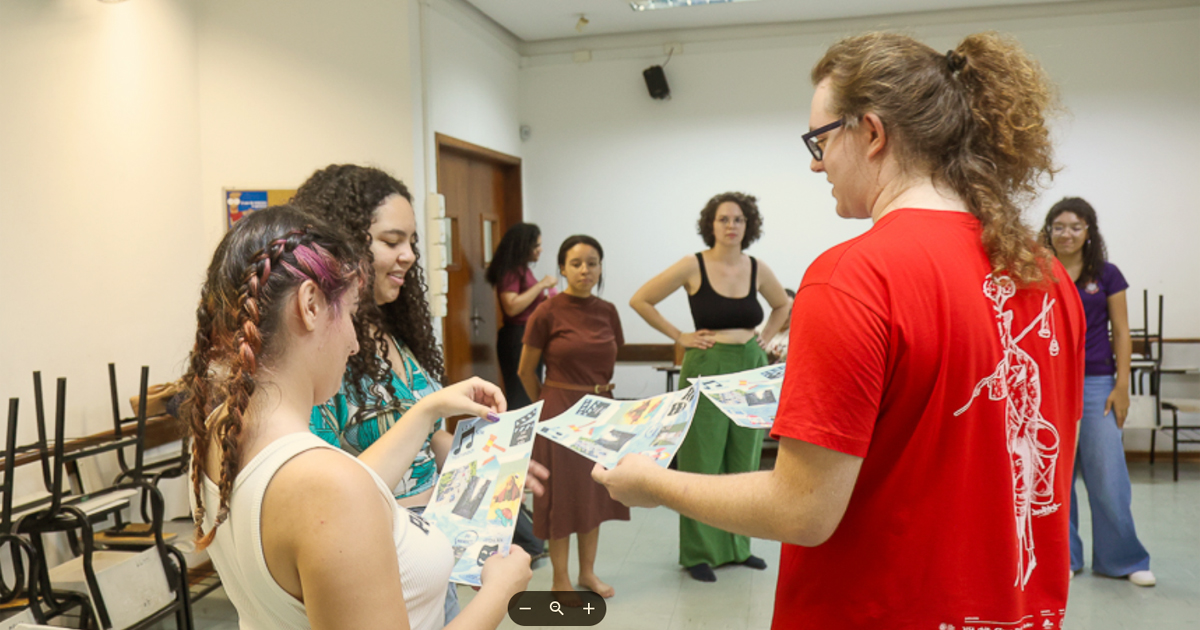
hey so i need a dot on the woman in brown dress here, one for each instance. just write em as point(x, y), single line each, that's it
point(576, 335)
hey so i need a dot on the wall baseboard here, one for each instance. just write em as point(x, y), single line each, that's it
point(1161, 456)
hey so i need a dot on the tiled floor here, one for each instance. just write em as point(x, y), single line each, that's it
point(638, 559)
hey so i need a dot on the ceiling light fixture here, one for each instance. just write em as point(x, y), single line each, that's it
point(647, 5)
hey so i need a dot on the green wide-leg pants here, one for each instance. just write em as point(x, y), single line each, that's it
point(715, 445)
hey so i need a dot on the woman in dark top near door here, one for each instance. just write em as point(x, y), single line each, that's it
point(520, 292)
point(1074, 236)
point(723, 285)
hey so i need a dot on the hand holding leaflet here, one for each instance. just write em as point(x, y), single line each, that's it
point(480, 487)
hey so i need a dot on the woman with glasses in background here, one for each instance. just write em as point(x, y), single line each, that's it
point(723, 284)
point(1072, 232)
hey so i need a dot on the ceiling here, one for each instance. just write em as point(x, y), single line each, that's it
point(539, 20)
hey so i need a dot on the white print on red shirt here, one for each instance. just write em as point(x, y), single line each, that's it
point(1032, 440)
point(1049, 621)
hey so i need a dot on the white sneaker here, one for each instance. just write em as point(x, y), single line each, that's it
point(1142, 578)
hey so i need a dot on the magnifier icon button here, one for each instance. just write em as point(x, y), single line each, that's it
point(556, 607)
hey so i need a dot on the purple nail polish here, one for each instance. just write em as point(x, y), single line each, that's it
point(492, 417)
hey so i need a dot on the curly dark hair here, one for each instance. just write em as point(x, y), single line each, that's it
point(1095, 254)
point(257, 266)
point(749, 206)
point(513, 252)
point(347, 196)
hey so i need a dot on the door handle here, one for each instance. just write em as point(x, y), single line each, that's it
point(475, 321)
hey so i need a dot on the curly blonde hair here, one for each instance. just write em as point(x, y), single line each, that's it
point(974, 119)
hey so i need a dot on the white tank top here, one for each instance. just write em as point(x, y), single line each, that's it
point(424, 554)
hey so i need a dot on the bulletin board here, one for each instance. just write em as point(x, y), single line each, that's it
point(239, 203)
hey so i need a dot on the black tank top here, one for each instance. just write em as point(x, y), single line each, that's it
point(713, 311)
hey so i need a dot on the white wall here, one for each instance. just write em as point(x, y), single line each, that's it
point(468, 88)
point(472, 78)
point(469, 83)
point(606, 159)
point(1129, 146)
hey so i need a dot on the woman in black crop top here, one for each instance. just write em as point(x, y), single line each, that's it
point(723, 285)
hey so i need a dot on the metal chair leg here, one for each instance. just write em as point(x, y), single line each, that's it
point(183, 616)
point(1175, 443)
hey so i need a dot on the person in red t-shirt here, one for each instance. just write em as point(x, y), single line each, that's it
point(935, 367)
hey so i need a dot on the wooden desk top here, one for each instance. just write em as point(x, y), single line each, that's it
point(160, 430)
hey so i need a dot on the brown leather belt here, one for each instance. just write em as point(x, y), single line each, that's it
point(591, 389)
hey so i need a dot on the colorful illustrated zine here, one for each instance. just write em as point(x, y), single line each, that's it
point(749, 398)
point(480, 487)
point(605, 430)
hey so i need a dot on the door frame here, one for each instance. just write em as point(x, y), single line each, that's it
point(512, 211)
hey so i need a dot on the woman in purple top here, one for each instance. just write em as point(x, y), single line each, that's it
point(520, 293)
point(1072, 232)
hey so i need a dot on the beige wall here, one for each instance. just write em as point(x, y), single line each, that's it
point(119, 126)
point(287, 87)
point(100, 244)
point(121, 123)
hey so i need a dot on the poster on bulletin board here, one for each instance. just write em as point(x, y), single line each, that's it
point(239, 203)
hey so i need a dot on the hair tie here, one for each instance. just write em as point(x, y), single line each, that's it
point(955, 61)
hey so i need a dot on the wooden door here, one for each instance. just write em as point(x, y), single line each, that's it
point(483, 198)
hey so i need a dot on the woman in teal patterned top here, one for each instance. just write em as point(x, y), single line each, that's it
point(375, 209)
point(331, 422)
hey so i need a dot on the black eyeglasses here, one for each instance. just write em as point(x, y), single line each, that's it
point(813, 144)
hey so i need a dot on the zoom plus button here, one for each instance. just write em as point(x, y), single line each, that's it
point(556, 608)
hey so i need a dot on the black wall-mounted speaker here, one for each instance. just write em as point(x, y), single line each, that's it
point(656, 82)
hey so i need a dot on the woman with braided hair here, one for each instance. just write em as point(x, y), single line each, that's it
point(302, 534)
point(935, 370)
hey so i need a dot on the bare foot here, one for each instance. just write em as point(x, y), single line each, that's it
point(597, 586)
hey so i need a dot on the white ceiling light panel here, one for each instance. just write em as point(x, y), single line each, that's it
point(647, 5)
